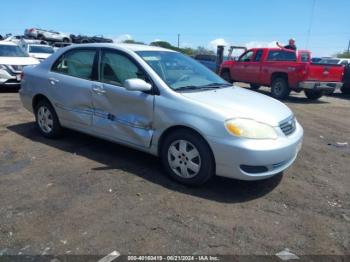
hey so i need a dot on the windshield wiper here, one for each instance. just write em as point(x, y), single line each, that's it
point(203, 87)
point(216, 85)
point(186, 88)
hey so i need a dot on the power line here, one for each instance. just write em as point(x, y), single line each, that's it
point(310, 24)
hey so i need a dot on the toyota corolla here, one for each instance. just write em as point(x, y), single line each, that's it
point(164, 103)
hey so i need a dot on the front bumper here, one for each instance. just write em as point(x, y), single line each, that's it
point(322, 86)
point(9, 78)
point(264, 158)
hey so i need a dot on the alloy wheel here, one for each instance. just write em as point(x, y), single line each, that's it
point(184, 159)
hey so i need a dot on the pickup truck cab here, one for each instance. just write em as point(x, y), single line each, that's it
point(283, 70)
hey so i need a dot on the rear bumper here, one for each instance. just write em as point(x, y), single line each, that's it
point(322, 86)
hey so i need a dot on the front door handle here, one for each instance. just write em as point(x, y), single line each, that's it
point(98, 89)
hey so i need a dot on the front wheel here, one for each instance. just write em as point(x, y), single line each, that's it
point(187, 158)
point(313, 94)
point(280, 89)
point(47, 120)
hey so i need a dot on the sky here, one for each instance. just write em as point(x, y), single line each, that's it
point(322, 26)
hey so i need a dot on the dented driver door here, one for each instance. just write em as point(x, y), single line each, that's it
point(119, 114)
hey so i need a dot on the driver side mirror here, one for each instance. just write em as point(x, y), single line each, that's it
point(136, 84)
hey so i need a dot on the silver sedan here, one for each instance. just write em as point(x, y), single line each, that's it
point(164, 103)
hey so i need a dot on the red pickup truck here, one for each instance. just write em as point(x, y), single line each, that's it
point(283, 70)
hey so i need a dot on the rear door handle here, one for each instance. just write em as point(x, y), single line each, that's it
point(98, 89)
point(53, 80)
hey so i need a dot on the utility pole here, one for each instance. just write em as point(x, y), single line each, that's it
point(178, 40)
point(349, 47)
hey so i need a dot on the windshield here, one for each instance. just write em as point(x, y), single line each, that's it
point(181, 72)
point(12, 51)
point(41, 49)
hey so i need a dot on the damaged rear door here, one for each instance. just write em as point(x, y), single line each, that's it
point(120, 114)
point(69, 84)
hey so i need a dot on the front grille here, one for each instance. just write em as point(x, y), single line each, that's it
point(288, 126)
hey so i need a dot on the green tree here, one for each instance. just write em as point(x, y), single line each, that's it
point(344, 54)
point(131, 41)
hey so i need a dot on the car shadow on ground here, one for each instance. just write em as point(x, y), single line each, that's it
point(9, 89)
point(117, 157)
point(340, 95)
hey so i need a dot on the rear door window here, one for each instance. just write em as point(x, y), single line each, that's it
point(77, 63)
point(281, 55)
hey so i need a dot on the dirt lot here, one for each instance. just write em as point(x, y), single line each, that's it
point(81, 195)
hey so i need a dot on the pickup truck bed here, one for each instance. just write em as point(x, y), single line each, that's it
point(283, 70)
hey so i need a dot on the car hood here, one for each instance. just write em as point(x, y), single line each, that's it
point(18, 60)
point(240, 102)
point(40, 55)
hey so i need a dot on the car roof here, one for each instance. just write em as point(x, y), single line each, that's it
point(130, 47)
point(7, 43)
point(275, 49)
point(30, 44)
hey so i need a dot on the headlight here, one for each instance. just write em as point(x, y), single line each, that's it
point(249, 128)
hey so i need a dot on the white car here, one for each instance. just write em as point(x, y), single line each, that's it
point(12, 61)
point(47, 35)
point(334, 61)
point(41, 52)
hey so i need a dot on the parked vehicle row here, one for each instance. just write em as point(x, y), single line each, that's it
point(53, 36)
point(284, 71)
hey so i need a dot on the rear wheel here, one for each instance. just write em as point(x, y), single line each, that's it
point(47, 120)
point(66, 40)
point(345, 89)
point(279, 88)
point(226, 75)
point(187, 158)
point(313, 94)
point(254, 86)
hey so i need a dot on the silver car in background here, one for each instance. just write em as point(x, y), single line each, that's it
point(164, 103)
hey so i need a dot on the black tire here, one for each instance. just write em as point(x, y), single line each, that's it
point(55, 129)
point(66, 40)
point(345, 89)
point(41, 37)
point(313, 94)
point(254, 86)
point(226, 76)
point(203, 157)
point(280, 88)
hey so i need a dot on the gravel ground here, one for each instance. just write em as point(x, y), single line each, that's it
point(82, 195)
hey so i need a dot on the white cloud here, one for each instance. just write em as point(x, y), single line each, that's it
point(214, 43)
point(122, 38)
point(257, 44)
